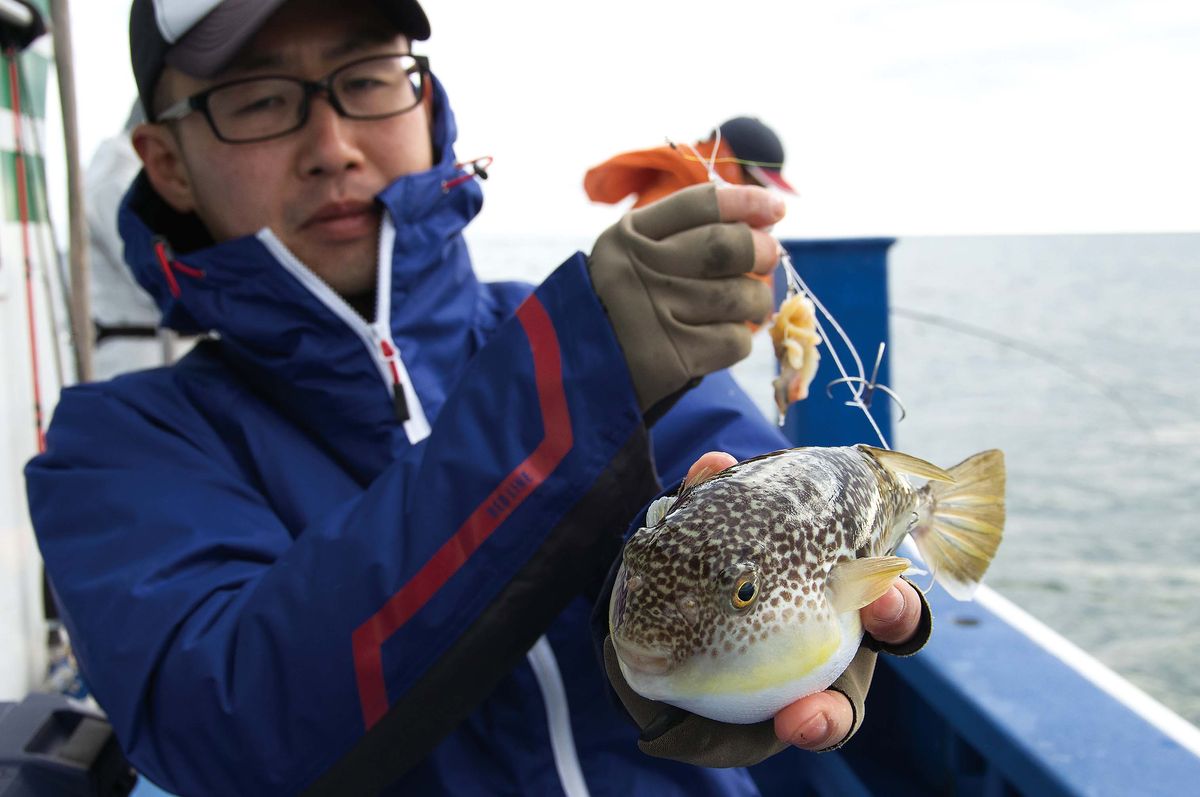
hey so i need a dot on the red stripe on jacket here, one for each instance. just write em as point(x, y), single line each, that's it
point(557, 440)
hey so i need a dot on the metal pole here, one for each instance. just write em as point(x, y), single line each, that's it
point(15, 15)
point(81, 310)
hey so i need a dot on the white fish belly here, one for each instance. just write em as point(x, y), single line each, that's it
point(753, 687)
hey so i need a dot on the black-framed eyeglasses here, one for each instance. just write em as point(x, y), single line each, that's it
point(258, 108)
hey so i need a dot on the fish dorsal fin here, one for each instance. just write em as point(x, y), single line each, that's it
point(901, 464)
point(855, 583)
point(658, 510)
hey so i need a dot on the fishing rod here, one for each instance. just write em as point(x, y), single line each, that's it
point(54, 281)
point(12, 56)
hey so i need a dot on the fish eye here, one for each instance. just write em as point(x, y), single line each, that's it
point(745, 592)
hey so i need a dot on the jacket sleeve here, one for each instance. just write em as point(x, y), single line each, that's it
point(235, 656)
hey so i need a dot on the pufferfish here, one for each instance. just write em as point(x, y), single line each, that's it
point(742, 593)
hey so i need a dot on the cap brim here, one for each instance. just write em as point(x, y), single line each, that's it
point(771, 178)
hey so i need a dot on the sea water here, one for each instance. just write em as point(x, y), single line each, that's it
point(1079, 356)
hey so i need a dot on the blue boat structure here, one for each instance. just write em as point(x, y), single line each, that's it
point(997, 704)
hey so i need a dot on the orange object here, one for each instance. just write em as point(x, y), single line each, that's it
point(651, 174)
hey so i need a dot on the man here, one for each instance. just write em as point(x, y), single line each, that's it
point(742, 151)
point(353, 542)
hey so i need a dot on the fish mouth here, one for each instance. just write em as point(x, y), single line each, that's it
point(643, 659)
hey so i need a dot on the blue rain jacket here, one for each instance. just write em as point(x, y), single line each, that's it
point(274, 571)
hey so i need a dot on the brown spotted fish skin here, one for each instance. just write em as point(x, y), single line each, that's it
point(783, 520)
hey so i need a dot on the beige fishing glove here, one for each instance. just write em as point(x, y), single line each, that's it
point(670, 732)
point(671, 277)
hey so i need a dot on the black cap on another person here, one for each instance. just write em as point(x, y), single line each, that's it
point(753, 141)
point(201, 37)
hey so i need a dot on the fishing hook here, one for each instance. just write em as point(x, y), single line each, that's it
point(869, 387)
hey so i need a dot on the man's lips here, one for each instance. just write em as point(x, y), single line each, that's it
point(343, 220)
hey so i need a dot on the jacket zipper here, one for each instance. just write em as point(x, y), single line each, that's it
point(558, 717)
point(376, 337)
point(392, 358)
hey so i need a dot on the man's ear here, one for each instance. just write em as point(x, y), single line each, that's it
point(163, 161)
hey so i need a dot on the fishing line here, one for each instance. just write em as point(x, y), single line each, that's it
point(796, 285)
point(710, 162)
point(1026, 348)
point(711, 166)
point(869, 387)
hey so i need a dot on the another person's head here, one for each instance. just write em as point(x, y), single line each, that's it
point(759, 150)
point(238, 151)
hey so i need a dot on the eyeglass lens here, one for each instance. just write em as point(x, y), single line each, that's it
point(265, 107)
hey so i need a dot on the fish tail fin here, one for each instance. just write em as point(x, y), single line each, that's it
point(962, 522)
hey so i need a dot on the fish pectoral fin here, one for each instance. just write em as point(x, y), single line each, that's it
point(901, 464)
point(855, 583)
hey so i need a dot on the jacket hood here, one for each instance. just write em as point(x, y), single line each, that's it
point(292, 337)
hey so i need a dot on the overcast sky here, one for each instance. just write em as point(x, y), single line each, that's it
point(899, 118)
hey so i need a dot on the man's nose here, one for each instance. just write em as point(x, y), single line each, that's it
point(330, 145)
